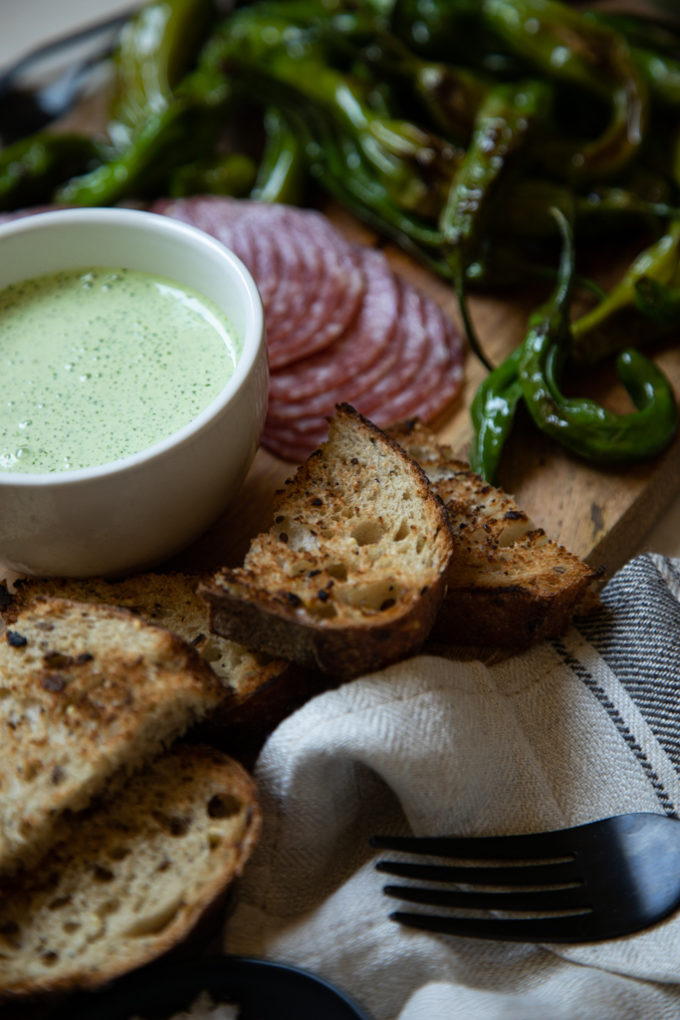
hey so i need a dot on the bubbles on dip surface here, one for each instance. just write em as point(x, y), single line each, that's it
point(100, 363)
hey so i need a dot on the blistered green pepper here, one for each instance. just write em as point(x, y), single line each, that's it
point(144, 167)
point(563, 44)
point(157, 47)
point(493, 413)
point(232, 174)
point(617, 321)
point(32, 168)
point(582, 425)
point(282, 173)
point(658, 301)
point(286, 64)
point(505, 119)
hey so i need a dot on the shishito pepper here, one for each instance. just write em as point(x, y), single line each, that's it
point(658, 301)
point(448, 96)
point(146, 164)
point(532, 373)
point(161, 117)
point(493, 413)
point(584, 426)
point(157, 48)
point(286, 63)
point(553, 40)
point(505, 119)
point(620, 318)
point(33, 167)
point(282, 172)
point(188, 125)
point(231, 174)
point(563, 44)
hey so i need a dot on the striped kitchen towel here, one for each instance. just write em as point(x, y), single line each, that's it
point(573, 730)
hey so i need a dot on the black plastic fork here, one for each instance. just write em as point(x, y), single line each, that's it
point(595, 881)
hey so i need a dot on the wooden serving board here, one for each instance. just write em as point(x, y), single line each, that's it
point(601, 515)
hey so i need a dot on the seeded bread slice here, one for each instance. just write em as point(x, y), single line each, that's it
point(351, 574)
point(259, 690)
point(87, 691)
point(129, 878)
point(169, 600)
point(509, 585)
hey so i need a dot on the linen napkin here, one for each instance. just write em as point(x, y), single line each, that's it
point(571, 731)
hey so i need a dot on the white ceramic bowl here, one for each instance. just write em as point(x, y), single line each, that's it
point(136, 511)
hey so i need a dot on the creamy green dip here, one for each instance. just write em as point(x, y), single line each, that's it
point(100, 363)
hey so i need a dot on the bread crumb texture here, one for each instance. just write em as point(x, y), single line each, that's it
point(129, 877)
point(86, 692)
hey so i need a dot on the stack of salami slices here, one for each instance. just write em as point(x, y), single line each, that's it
point(341, 325)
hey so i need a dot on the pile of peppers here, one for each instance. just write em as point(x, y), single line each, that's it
point(488, 138)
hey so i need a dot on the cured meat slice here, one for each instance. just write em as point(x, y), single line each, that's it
point(420, 375)
point(293, 449)
point(333, 290)
point(441, 379)
point(356, 350)
point(415, 350)
point(309, 277)
point(367, 390)
point(215, 215)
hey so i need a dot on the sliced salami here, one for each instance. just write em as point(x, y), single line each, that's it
point(356, 350)
point(422, 375)
point(440, 381)
point(367, 390)
point(334, 290)
point(309, 277)
point(341, 326)
point(210, 213)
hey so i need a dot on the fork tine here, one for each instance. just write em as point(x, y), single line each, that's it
point(513, 874)
point(573, 928)
point(533, 846)
point(537, 900)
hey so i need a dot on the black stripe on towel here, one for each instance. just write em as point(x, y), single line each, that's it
point(637, 633)
point(628, 736)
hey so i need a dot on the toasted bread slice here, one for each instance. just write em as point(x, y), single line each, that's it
point(259, 690)
point(130, 877)
point(351, 574)
point(169, 600)
point(509, 585)
point(88, 691)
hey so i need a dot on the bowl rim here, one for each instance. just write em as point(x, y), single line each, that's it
point(219, 974)
point(250, 342)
